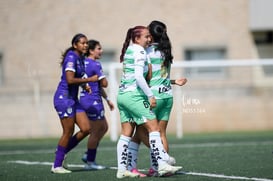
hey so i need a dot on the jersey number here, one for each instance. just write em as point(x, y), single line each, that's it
point(146, 104)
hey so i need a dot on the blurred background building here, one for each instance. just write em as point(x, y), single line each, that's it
point(217, 98)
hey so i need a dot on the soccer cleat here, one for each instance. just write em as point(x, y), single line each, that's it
point(60, 170)
point(177, 168)
point(84, 158)
point(171, 161)
point(134, 170)
point(152, 173)
point(165, 169)
point(126, 173)
point(65, 164)
point(94, 166)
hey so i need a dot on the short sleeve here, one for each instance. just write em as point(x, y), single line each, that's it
point(70, 63)
point(99, 71)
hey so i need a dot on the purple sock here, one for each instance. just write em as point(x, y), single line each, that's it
point(91, 155)
point(59, 156)
point(73, 142)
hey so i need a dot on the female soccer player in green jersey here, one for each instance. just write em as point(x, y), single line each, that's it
point(159, 54)
point(135, 101)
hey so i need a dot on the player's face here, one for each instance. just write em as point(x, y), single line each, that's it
point(144, 39)
point(81, 46)
point(96, 53)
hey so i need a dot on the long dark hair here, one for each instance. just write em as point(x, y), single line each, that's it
point(92, 45)
point(76, 38)
point(158, 31)
point(132, 34)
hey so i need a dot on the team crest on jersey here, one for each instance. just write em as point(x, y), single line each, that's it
point(69, 110)
point(142, 52)
point(70, 64)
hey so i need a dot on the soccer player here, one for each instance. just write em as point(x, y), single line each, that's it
point(66, 96)
point(160, 56)
point(135, 101)
point(92, 104)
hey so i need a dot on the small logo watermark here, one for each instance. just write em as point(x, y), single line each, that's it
point(192, 105)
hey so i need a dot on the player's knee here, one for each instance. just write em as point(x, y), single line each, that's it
point(85, 131)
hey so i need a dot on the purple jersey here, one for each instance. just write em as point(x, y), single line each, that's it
point(93, 67)
point(92, 103)
point(74, 63)
point(66, 96)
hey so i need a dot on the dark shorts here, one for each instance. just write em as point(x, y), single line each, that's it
point(93, 106)
point(65, 105)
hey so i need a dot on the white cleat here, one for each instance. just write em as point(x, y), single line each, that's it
point(166, 169)
point(65, 164)
point(171, 161)
point(177, 168)
point(126, 173)
point(60, 170)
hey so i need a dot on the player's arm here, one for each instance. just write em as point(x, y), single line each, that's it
point(104, 95)
point(180, 81)
point(71, 79)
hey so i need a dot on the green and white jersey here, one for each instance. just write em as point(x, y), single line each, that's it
point(135, 55)
point(160, 82)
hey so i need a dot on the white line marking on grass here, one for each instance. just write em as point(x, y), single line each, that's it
point(181, 172)
point(197, 145)
point(21, 152)
point(41, 163)
point(30, 163)
point(225, 176)
point(216, 144)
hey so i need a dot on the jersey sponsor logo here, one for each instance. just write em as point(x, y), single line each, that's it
point(164, 89)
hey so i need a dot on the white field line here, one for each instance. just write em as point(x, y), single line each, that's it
point(226, 176)
point(225, 144)
point(181, 172)
point(102, 148)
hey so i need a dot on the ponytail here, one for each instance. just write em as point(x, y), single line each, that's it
point(132, 34)
point(126, 44)
point(158, 30)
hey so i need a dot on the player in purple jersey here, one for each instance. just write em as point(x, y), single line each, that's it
point(66, 96)
point(92, 104)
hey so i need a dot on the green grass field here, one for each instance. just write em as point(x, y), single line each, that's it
point(223, 156)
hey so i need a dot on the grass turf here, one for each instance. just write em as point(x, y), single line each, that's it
point(236, 156)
